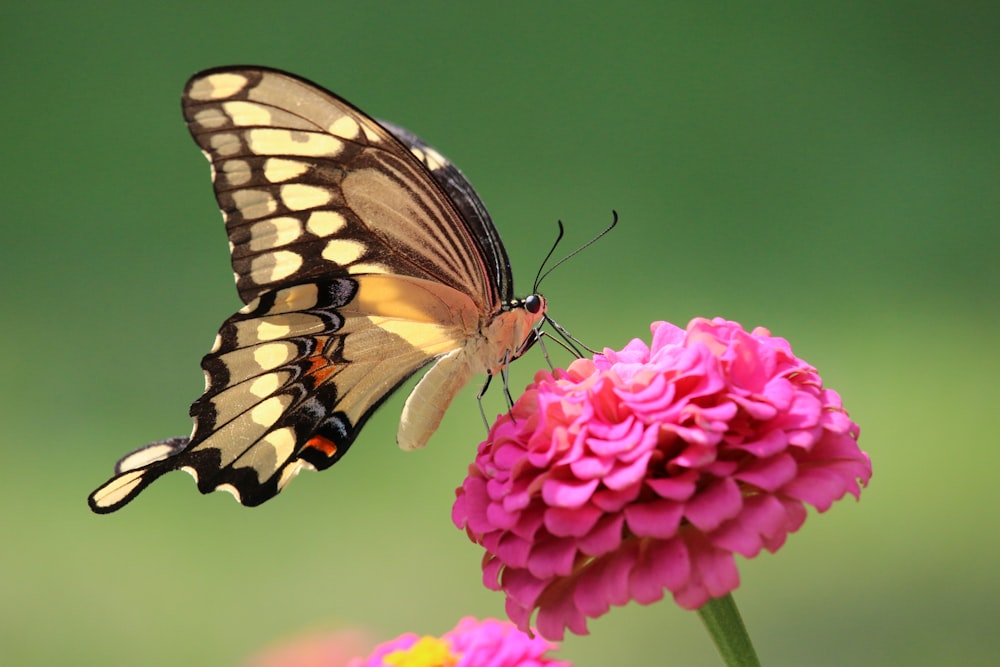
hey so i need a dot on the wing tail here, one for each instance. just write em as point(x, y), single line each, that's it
point(134, 472)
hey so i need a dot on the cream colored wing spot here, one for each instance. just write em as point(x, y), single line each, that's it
point(272, 355)
point(282, 445)
point(269, 411)
point(279, 170)
point(325, 223)
point(292, 299)
point(230, 489)
point(274, 233)
point(430, 157)
point(145, 456)
point(119, 489)
point(299, 197)
point(217, 343)
point(268, 141)
point(362, 268)
point(274, 266)
point(435, 157)
point(265, 385)
point(250, 307)
point(217, 86)
point(291, 470)
point(371, 135)
point(343, 251)
point(236, 172)
point(272, 331)
point(281, 326)
point(345, 127)
point(225, 144)
point(247, 113)
point(254, 204)
point(211, 119)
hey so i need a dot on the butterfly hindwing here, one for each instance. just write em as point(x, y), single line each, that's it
point(296, 374)
point(362, 255)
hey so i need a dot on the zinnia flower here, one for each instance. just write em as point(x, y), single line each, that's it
point(473, 643)
point(647, 469)
point(326, 649)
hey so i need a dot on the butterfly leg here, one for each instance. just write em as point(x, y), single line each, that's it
point(505, 374)
point(479, 401)
point(545, 350)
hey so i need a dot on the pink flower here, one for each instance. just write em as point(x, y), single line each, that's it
point(488, 643)
point(332, 649)
point(647, 469)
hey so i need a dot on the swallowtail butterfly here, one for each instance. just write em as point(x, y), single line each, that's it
point(362, 255)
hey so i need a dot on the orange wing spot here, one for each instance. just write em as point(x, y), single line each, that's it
point(320, 368)
point(324, 445)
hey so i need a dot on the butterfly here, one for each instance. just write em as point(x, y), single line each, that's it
point(362, 255)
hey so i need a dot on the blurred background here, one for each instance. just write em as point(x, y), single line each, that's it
point(827, 170)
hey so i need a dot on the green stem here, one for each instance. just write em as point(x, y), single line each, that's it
point(722, 619)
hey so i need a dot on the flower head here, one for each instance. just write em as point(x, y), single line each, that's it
point(473, 643)
point(319, 649)
point(647, 469)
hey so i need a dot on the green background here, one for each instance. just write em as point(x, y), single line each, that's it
point(827, 170)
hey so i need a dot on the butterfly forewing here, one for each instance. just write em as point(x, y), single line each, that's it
point(467, 201)
point(309, 187)
point(361, 255)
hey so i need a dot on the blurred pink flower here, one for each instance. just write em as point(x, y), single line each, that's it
point(473, 643)
point(648, 468)
point(321, 649)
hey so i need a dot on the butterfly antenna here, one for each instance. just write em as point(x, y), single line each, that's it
point(541, 276)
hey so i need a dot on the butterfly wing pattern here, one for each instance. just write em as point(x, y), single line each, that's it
point(362, 255)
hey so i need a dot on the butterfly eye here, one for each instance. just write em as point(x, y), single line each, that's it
point(533, 304)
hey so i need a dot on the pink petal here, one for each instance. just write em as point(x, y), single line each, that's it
point(572, 522)
point(769, 474)
point(657, 518)
point(679, 487)
point(662, 565)
point(552, 558)
point(819, 487)
point(571, 493)
point(613, 500)
point(768, 443)
point(606, 536)
point(714, 504)
point(591, 467)
point(625, 476)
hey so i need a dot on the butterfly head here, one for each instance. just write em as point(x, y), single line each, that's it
point(519, 322)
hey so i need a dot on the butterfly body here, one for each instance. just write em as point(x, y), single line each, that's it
point(362, 256)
